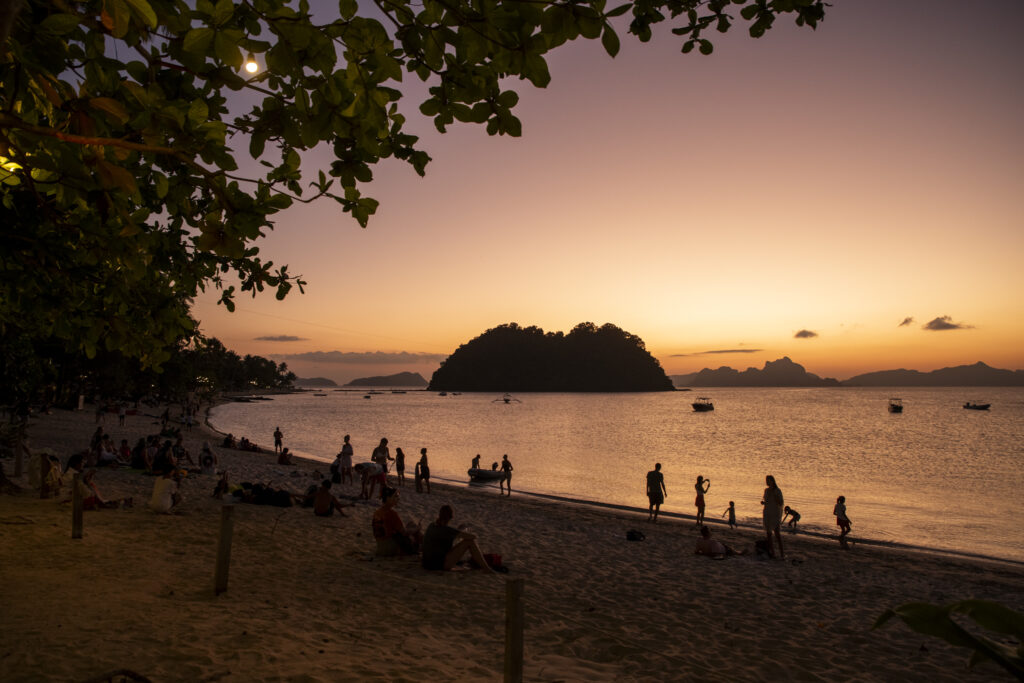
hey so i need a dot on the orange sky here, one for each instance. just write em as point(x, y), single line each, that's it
point(837, 181)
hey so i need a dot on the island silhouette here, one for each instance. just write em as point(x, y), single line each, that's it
point(588, 358)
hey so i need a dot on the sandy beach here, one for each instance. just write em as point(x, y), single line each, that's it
point(308, 601)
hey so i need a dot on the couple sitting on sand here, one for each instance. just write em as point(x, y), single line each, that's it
point(442, 546)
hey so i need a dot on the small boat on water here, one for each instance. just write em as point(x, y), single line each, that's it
point(703, 404)
point(977, 406)
point(319, 394)
point(480, 475)
point(895, 405)
point(507, 398)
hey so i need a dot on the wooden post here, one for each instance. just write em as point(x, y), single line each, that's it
point(220, 577)
point(514, 631)
point(76, 507)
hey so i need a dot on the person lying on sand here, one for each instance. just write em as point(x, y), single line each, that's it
point(444, 546)
point(393, 539)
point(325, 503)
point(711, 547)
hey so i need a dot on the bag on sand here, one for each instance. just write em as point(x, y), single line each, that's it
point(634, 535)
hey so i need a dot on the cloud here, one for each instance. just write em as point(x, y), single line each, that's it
point(906, 321)
point(944, 323)
point(715, 352)
point(365, 358)
point(281, 338)
point(805, 334)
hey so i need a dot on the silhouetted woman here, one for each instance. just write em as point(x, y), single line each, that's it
point(701, 487)
point(772, 514)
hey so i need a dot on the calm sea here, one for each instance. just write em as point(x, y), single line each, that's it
point(936, 476)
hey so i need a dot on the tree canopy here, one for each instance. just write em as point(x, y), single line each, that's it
point(589, 358)
point(139, 161)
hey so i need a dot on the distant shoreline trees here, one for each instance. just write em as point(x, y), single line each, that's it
point(589, 358)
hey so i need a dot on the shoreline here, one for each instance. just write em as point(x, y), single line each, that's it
point(477, 489)
point(307, 598)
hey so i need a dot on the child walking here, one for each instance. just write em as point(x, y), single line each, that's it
point(731, 511)
point(842, 521)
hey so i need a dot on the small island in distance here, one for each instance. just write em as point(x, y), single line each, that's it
point(589, 358)
point(401, 379)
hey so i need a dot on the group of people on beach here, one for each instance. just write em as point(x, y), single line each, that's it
point(775, 512)
point(441, 547)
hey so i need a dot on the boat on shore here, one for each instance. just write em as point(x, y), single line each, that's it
point(480, 475)
point(895, 405)
point(703, 404)
point(977, 406)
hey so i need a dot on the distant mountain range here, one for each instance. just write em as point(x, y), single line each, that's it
point(402, 379)
point(314, 382)
point(785, 373)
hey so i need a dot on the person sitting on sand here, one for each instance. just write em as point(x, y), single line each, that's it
point(711, 547)
point(229, 441)
point(793, 515)
point(285, 457)
point(165, 496)
point(444, 546)
point(140, 456)
point(325, 503)
point(393, 539)
point(731, 511)
point(842, 521)
point(207, 459)
point(92, 499)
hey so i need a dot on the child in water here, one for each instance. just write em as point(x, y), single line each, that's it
point(793, 515)
point(842, 521)
point(731, 511)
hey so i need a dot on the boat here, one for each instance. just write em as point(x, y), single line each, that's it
point(895, 405)
point(319, 394)
point(703, 404)
point(507, 398)
point(479, 474)
point(977, 406)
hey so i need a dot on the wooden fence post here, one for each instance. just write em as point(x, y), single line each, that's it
point(514, 631)
point(76, 507)
point(220, 578)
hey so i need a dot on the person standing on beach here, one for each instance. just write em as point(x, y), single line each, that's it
point(506, 467)
point(731, 511)
point(656, 492)
point(424, 468)
point(773, 503)
point(346, 460)
point(400, 466)
point(278, 440)
point(842, 521)
point(701, 487)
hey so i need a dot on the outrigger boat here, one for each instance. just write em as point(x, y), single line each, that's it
point(977, 406)
point(480, 475)
point(507, 398)
point(703, 405)
point(895, 405)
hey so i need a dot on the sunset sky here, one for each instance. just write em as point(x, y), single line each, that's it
point(851, 197)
